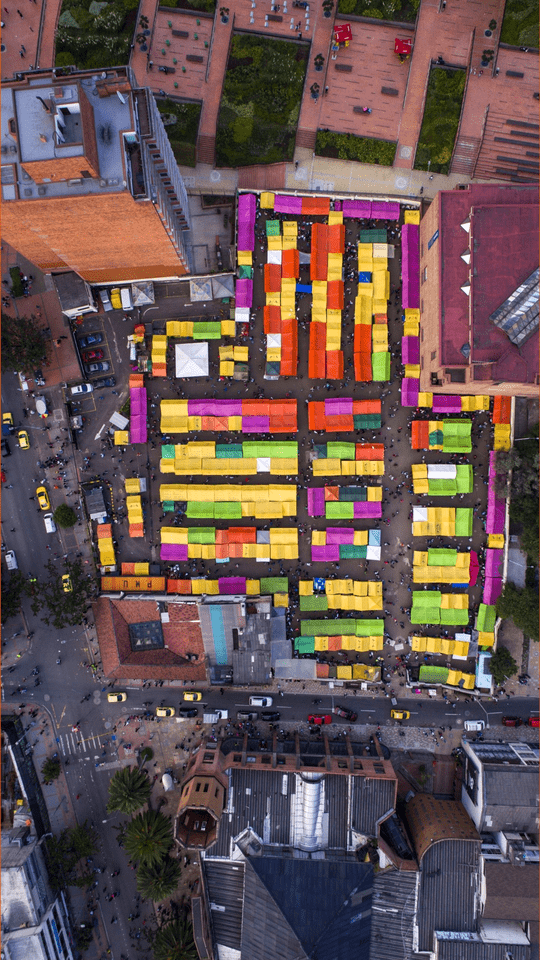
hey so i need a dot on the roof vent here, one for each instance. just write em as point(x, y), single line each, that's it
point(41, 191)
point(27, 192)
point(466, 289)
point(466, 226)
point(103, 183)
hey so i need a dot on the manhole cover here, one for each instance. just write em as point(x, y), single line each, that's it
point(47, 697)
point(401, 183)
point(215, 176)
point(467, 713)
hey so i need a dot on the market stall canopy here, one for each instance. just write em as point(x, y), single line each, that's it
point(222, 286)
point(403, 48)
point(200, 289)
point(142, 293)
point(342, 33)
point(191, 359)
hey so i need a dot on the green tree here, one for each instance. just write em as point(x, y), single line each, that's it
point(160, 880)
point(148, 837)
point(50, 770)
point(129, 790)
point(64, 852)
point(502, 666)
point(64, 608)
point(175, 941)
point(521, 606)
point(23, 345)
point(65, 516)
point(13, 589)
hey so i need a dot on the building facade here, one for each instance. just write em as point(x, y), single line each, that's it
point(89, 179)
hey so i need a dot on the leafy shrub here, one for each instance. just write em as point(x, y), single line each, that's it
point(401, 10)
point(441, 119)
point(17, 289)
point(520, 24)
point(348, 147)
point(182, 133)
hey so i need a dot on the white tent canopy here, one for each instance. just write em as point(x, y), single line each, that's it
point(192, 359)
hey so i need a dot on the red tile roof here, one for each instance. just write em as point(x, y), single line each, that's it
point(182, 634)
point(504, 233)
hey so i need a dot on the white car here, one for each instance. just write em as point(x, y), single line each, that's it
point(50, 525)
point(82, 388)
point(260, 701)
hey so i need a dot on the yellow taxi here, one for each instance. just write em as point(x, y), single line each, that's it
point(165, 712)
point(400, 714)
point(24, 440)
point(116, 299)
point(67, 586)
point(43, 498)
point(117, 697)
point(193, 695)
point(7, 421)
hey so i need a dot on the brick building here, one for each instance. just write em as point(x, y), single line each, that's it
point(479, 291)
point(89, 179)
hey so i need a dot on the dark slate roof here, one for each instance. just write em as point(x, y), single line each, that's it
point(449, 884)
point(326, 906)
point(256, 798)
point(225, 886)
point(371, 800)
point(478, 950)
point(511, 797)
point(265, 934)
point(392, 919)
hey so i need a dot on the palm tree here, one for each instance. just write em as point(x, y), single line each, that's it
point(148, 837)
point(158, 881)
point(129, 790)
point(175, 942)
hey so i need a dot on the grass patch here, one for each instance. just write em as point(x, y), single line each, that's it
point(17, 289)
point(403, 10)
point(259, 108)
point(521, 23)
point(92, 40)
point(346, 146)
point(182, 125)
point(208, 5)
point(441, 118)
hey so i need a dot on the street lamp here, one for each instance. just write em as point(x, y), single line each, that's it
point(481, 705)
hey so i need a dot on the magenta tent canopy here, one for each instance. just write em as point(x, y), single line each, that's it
point(174, 551)
point(384, 210)
point(357, 208)
point(410, 349)
point(246, 237)
point(232, 585)
point(446, 403)
point(244, 293)
point(284, 204)
point(410, 266)
point(474, 569)
point(247, 208)
point(255, 424)
point(328, 554)
point(138, 432)
point(214, 408)
point(410, 388)
point(315, 497)
point(492, 590)
point(494, 561)
point(367, 510)
point(339, 535)
point(338, 406)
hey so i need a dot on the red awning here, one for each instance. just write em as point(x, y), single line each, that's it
point(403, 47)
point(342, 32)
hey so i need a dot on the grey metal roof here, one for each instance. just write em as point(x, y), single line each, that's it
point(371, 800)
point(393, 909)
point(511, 797)
point(326, 906)
point(265, 934)
point(337, 792)
point(449, 885)
point(260, 799)
point(518, 316)
point(477, 949)
point(225, 886)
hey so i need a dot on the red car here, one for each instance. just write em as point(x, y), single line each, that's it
point(511, 722)
point(534, 721)
point(92, 355)
point(319, 718)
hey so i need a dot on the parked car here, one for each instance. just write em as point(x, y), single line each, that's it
point(192, 695)
point(11, 560)
point(92, 355)
point(7, 424)
point(188, 712)
point(349, 715)
point(125, 297)
point(90, 340)
point(116, 300)
point(117, 697)
point(105, 299)
point(474, 726)
point(165, 711)
point(50, 526)
point(24, 439)
point(270, 716)
point(400, 714)
point(260, 701)
point(104, 382)
point(319, 718)
point(534, 721)
point(67, 585)
point(6, 452)
point(511, 721)
point(247, 715)
point(43, 498)
point(81, 388)
point(97, 367)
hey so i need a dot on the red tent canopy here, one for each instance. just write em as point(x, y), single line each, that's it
point(342, 32)
point(403, 47)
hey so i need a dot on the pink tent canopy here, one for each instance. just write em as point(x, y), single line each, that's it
point(214, 408)
point(315, 496)
point(247, 208)
point(410, 265)
point(368, 510)
point(138, 432)
point(284, 204)
point(174, 551)
point(410, 349)
point(246, 237)
point(494, 561)
point(357, 208)
point(255, 424)
point(446, 403)
point(244, 293)
point(492, 590)
point(384, 210)
point(410, 388)
point(328, 554)
point(338, 406)
point(474, 568)
point(339, 535)
point(230, 585)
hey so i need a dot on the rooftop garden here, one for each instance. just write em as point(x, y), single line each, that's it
point(441, 119)
point(404, 11)
point(261, 98)
point(346, 146)
point(520, 24)
point(182, 124)
point(93, 34)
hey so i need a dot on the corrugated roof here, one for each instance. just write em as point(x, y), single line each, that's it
point(449, 887)
point(393, 909)
point(511, 797)
point(371, 800)
point(260, 799)
point(225, 888)
point(479, 950)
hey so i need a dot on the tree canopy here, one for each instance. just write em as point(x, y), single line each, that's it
point(13, 588)
point(64, 607)
point(521, 606)
point(175, 941)
point(64, 852)
point(158, 881)
point(129, 790)
point(65, 516)
point(23, 345)
point(502, 665)
point(148, 837)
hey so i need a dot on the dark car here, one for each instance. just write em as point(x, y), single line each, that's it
point(511, 721)
point(247, 715)
point(270, 716)
point(188, 712)
point(90, 340)
point(97, 367)
point(104, 382)
point(349, 715)
point(6, 452)
point(92, 355)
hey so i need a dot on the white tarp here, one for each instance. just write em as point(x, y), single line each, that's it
point(373, 553)
point(273, 340)
point(191, 359)
point(442, 471)
point(263, 464)
point(241, 314)
point(200, 289)
point(274, 256)
point(420, 514)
